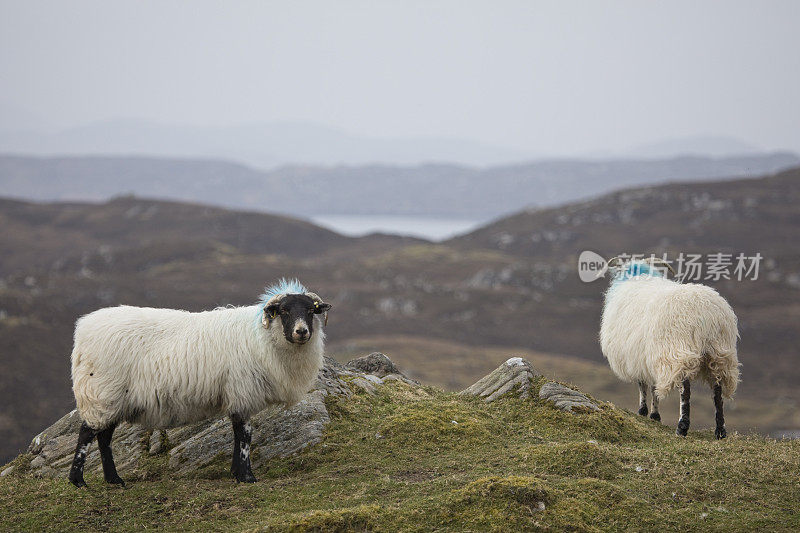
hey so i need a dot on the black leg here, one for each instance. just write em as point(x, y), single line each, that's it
point(683, 423)
point(643, 398)
point(237, 454)
point(109, 468)
point(85, 437)
point(654, 412)
point(242, 435)
point(720, 432)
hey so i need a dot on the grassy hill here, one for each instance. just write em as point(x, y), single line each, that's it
point(454, 366)
point(424, 459)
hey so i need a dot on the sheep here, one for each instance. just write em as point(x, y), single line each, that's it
point(663, 334)
point(163, 368)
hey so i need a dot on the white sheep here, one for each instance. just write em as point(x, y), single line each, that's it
point(164, 368)
point(663, 334)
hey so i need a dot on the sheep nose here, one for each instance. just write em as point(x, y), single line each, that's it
point(301, 331)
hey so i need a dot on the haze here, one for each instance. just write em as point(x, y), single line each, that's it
point(531, 78)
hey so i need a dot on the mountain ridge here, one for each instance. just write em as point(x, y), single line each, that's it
point(304, 191)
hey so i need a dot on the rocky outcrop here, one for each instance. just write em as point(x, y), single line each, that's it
point(567, 399)
point(276, 432)
point(516, 376)
point(375, 363)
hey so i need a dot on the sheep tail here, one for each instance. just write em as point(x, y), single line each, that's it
point(674, 367)
point(722, 368)
point(715, 366)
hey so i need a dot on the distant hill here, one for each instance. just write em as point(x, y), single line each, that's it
point(736, 215)
point(45, 233)
point(511, 285)
point(263, 145)
point(429, 190)
point(703, 145)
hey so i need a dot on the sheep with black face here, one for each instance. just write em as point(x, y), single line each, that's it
point(164, 368)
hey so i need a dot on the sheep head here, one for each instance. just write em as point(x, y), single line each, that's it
point(296, 313)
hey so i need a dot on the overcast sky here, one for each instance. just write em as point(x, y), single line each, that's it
point(545, 77)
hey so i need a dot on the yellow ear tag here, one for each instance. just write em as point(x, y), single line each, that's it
point(266, 318)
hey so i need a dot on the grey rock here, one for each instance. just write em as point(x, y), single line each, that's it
point(364, 384)
point(400, 377)
point(566, 399)
point(155, 445)
point(202, 447)
point(291, 430)
point(277, 432)
point(375, 363)
point(6, 471)
point(70, 423)
point(514, 374)
point(374, 379)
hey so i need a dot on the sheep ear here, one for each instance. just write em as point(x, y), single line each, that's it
point(270, 313)
point(321, 307)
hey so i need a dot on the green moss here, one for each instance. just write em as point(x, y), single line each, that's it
point(433, 424)
point(521, 490)
point(218, 468)
point(576, 459)
point(149, 468)
point(396, 461)
point(21, 465)
point(360, 518)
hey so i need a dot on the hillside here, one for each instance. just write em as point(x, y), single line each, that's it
point(441, 190)
point(448, 311)
point(48, 234)
point(397, 456)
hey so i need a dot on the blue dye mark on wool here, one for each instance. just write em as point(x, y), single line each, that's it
point(636, 269)
point(284, 286)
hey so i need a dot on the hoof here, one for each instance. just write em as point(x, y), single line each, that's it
point(720, 433)
point(78, 482)
point(116, 481)
point(643, 410)
point(683, 428)
point(245, 477)
point(655, 416)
